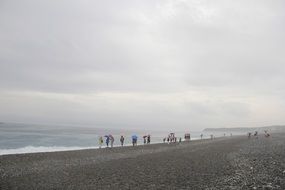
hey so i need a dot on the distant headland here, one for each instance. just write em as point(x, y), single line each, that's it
point(273, 128)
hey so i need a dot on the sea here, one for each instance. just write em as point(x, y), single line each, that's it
point(20, 138)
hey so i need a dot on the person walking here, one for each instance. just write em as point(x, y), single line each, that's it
point(122, 139)
point(266, 134)
point(100, 141)
point(134, 140)
point(249, 135)
point(112, 140)
point(144, 139)
point(148, 139)
point(256, 134)
point(201, 136)
point(107, 140)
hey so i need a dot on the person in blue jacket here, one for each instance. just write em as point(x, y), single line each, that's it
point(107, 140)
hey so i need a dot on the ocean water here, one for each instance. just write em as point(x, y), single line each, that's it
point(18, 138)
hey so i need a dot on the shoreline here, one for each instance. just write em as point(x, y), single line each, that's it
point(47, 149)
point(222, 163)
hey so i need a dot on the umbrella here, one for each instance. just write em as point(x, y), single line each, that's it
point(111, 136)
point(134, 137)
point(145, 136)
point(107, 136)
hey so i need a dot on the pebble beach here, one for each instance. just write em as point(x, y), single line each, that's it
point(223, 163)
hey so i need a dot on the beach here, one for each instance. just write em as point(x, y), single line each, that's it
point(223, 163)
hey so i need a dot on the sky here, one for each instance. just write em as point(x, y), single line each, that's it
point(159, 64)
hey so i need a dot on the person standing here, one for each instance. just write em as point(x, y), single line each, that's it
point(201, 136)
point(100, 141)
point(249, 135)
point(107, 140)
point(266, 134)
point(122, 139)
point(256, 134)
point(134, 140)
point(148, 139)
point(112, 140)
point(187, 137)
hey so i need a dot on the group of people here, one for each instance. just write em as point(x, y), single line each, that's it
point(171, 138)
point(250, 134)
point(255, 134)
point(187, 137)
point(146, 139)
point(110, 140)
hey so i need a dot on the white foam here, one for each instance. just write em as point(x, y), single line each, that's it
point(34, 149)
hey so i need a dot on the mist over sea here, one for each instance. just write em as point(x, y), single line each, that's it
point(27, 138)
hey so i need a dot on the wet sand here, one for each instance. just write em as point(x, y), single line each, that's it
point(224, 163)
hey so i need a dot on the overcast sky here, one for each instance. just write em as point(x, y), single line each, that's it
point(164, 64)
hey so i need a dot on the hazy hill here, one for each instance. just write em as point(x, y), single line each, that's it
point(273, 128)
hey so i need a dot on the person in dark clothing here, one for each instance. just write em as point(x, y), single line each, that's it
point(148, 139)
point(107, 141)
point(122, 139)
point(249, 135)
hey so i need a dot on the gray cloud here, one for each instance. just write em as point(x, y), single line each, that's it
point(188, 64)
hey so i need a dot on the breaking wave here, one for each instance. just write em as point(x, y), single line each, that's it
point(34, 149)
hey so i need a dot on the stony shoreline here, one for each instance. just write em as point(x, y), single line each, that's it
point(224, 163)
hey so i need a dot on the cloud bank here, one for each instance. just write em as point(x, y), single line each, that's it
point(143, 64)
